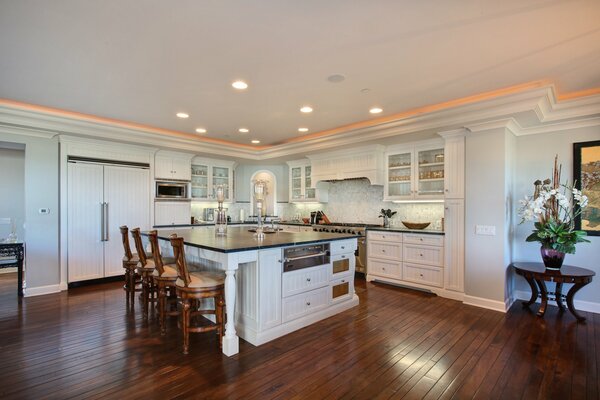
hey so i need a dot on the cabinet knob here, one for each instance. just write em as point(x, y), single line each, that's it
point(383, 250)
point(307, 279)
point(383, 237)
point(421, 239)
point(343, 247)
point(279, 261)
point(308, 303)
point(446, 190)
point(343, 256)
point(421, 255)
point(421, 275)
point(343, 281)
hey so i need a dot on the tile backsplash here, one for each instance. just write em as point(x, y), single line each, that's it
point(349, 201)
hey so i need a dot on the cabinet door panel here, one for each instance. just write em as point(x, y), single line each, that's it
point(163, 167)
point(127, 192)
point(85, 247)
point(181, 168)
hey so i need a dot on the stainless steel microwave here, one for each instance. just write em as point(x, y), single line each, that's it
point(172, 190)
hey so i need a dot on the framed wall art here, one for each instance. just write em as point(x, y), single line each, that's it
point(586, 171)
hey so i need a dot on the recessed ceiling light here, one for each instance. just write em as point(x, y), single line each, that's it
point(302, 129)
point(244, 130)
point(200, 130)
point(255, 141)
point(365, 90)
point(375, 110)
point(306, 109)
point(183, 115)
point(336, 78)
point(240, 85)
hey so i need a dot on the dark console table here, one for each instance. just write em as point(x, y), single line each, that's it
point(12, 255)
point(537, 273)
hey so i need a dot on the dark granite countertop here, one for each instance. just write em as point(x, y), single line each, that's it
point(239, 239)
point(202, 224)
point(406, 230)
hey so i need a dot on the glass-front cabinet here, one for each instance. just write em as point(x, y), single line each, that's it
point(301, 182)
point(415, 173)
point(207, 174)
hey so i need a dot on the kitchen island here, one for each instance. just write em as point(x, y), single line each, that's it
point(269, 292)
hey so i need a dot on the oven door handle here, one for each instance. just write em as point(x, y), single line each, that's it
point(288, 259)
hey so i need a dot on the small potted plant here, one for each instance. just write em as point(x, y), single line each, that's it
point(554, 207)
point(386, 215)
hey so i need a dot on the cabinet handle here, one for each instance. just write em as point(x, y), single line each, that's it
point(343, 247)
point(279, 261)
point(343, 256)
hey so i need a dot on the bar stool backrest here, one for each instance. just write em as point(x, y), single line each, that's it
point(125, 238)
point(139, 246)
point(179, 253)
point(158, 262)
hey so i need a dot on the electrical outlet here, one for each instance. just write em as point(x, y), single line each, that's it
point(488, 230)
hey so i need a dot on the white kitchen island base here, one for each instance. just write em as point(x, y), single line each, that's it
point(262, 301)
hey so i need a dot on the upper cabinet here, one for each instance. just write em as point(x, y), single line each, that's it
point(415, 172)
point(302, 188)
point(454, 185)
point(172, 166)
point(207, 174)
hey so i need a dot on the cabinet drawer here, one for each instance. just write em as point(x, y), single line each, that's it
point(341, 289)
point(342, 265)
point(384, 236)
point(299, 281)
point(430, 255)
point(342, 246)
point(390, 251)
point(305, 303)
point(430, 240)
point(425, 275)
point(382, 268)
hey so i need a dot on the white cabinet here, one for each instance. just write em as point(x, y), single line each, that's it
point(269, 289)
point(172, 213)
point(454, 217)
point(410, 259)
point(454, 164)
point(414, 172)
point(172, 166)
point(207, 174)
point(101, 198)
point(302, 187)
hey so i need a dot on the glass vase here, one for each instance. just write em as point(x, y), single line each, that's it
point(553, 259)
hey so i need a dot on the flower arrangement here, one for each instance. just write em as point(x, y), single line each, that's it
point(554, 207)
point(386, 215)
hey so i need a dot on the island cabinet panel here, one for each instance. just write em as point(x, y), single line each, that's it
point(342, 246)
point(295, 282)
point(341, 289)
point(423, 274)
point(384, 250)
point(269, 288)
point(305, 303)
point(430, 255)
point(385, 268)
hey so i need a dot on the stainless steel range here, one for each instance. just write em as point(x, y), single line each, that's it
point(353, 229)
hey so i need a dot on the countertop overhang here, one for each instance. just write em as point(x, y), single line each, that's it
point(240, 239)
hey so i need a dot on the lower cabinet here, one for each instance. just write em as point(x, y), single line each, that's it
point(408, 259)
point(273, 303)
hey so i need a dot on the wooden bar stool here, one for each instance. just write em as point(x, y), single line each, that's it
point(164, 277)
point(130, 262)
point(145, 268)
point(192, 287)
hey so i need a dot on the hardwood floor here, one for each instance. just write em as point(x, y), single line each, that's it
point(397, 343)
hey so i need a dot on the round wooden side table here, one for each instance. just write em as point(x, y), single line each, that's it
point(537, 273)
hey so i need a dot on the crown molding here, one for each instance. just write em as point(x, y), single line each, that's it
point(476, 114)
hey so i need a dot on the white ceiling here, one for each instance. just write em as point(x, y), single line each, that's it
point(142, 61)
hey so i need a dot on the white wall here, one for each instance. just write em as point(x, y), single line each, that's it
point(534, 160)
point(12, 188)
point(487, 202)
point(41, 230)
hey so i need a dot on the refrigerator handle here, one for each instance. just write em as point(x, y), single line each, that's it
point(102, 218)
point(106, 222)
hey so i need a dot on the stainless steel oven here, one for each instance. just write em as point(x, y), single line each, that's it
point(167, 190)
point(299, 257)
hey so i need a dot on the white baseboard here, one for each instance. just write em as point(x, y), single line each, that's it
point(64, 286)
point(8, 270)
point(485, 303)
point(40, 290)
point(580, 305)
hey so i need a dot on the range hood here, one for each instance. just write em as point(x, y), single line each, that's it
point(364, 162)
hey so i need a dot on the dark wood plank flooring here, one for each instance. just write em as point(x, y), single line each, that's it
point(398, 343)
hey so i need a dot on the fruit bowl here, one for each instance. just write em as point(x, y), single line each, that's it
point(416, 225)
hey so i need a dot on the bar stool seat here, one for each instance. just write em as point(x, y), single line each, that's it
point(169, 272)
point(203, 280)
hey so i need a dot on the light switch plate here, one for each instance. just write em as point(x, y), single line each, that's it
point(44, 211)
point(488, 230)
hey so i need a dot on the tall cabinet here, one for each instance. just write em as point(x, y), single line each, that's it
point(102, 197)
